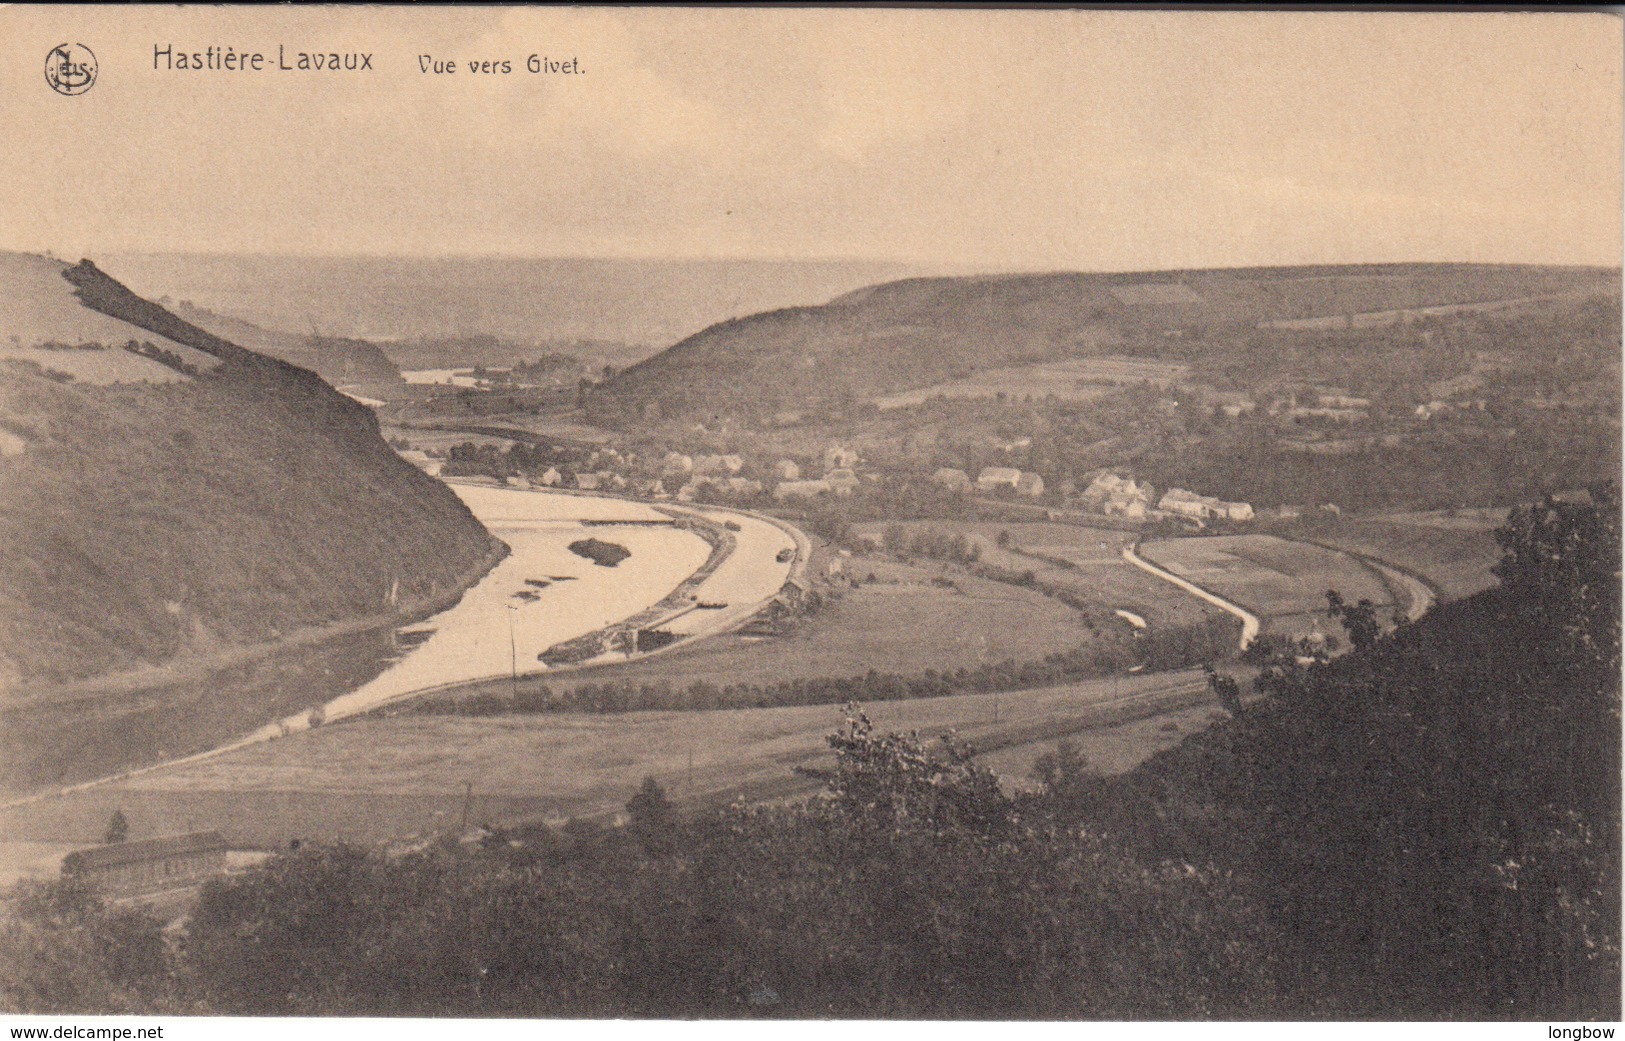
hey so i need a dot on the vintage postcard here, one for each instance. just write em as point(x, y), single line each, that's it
point(580, 513)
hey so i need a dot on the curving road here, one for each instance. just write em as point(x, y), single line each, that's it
point(1249, 621)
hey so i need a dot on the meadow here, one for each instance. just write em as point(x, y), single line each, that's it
point(1453, 553)
point(380, 778)
point(1283, 582)
point(1085, 561)
point(904, 621)
point(1076, 379)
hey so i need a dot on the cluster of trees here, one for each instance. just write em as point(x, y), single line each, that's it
point(930, 543)
point(915, 888)
point(1442, 471)
point(472, 459)
point(1430, 823)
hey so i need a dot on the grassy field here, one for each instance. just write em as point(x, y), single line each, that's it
point(1453, 554)
point(1076, 379)
point(899, 623)
point(379, 778)
point(1283, 582)
point(1097, 570)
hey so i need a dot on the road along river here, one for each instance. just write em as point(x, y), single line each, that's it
point(543, 594)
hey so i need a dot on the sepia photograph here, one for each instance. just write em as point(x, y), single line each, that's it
point(833, 513)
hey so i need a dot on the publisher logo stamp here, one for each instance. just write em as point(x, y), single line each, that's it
point(70, 68)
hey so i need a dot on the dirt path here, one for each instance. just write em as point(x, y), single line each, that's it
point(1249, 621)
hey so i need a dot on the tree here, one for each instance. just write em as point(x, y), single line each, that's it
point(654, 819)
point(118, 828)
point(1562, 559)
point(1063, 773)
point(1359, 620)
point(892, 779)
point(1225, 688)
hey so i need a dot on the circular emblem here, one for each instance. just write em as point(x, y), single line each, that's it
point(70, 68)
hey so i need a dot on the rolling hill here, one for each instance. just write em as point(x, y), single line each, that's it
point(917, 332)
point(166, 495)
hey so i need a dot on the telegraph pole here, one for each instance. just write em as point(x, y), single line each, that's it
point(513, 657)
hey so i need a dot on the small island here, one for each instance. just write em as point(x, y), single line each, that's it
point(604, 554)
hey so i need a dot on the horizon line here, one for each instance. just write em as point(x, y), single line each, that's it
point(963, 267)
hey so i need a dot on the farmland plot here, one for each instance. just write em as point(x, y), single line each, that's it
point(1281, 581)
point(901, 622)
point(1085, 561)
point(1076, 379)
point(1454, 555)
point(373, 779)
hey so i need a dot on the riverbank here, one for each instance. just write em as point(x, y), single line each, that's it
point(479, 635)
point(155, 678)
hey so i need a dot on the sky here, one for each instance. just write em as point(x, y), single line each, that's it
point(1011, 140)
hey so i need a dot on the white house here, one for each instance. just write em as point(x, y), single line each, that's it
point(994, 477)
point(1030, 484)
point(800, 489)
point(1184, 503)
point(839, 457)
point(787, 470)
point(842, 481)
point(952, 479)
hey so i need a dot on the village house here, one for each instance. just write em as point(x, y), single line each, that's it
point(677, 463)
point(800, 489)
point(1339, 400)
point(710, 466)
point(842, 481)
point(1183, 503)
point(787, 470)
point(587, 482)
point(551, 477)
point(1119, 496)
point(1124, 506)
point(744, 486)
point(952, 479)
point(839, 457)
point(1030, 484)
point(1335, 415)
point(167, 862)
point(994, 477)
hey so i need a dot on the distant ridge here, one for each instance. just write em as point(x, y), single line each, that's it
point(517, 299)
point(916, 332)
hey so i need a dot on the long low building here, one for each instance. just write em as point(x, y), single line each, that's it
point(166, 862)
point(1183, 503)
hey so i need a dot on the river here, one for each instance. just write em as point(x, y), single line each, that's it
point(545, 592)
point(541, 594)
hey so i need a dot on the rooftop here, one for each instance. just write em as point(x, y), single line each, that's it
point(159, 848)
